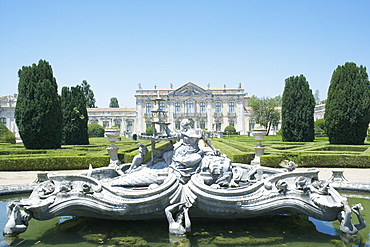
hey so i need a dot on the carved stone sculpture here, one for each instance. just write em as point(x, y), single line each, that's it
point(182, 182)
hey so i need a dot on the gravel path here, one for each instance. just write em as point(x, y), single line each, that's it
point(9, 178)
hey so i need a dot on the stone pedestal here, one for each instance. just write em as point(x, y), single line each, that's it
point(113, 136)
point(259, 135)
point(337, 176)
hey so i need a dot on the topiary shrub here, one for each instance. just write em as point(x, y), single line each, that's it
point(6, 136)
point(230, 129)
point(95, 130)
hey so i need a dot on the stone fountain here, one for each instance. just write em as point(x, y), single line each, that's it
point(183, 181)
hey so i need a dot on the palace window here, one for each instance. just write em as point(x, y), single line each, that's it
point(202, 124)
point(202, 107)
point(232, 123)
point(148, 108)
point(106, 124)
point(129, 125)
point(162, 106)
point(218, 107)
point(218, 126)
point(189, 106)
point(3, 120)
point(231, 107)
point(117, 123)
point(177, 107)
point(95, 121)
point(177, 125)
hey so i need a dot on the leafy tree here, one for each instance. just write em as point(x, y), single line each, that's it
point(297, 110)
point(89, 95)
point(38, 114)
point(75, 117)
point(264, 111)
point(113, 103)
point(6, 136)
point(95, 130)
point(347, 111)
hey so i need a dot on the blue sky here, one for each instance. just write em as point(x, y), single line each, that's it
point(115, 45)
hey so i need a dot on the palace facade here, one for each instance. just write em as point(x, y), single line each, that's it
point(209, 108)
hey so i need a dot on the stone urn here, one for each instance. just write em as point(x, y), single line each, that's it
point(113, 136)
point(259, 135)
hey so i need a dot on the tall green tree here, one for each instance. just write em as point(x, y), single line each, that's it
point(298, 105)
point(38, 114)
point(264, 111)
point(113, 103)
point(347, 110)
point(89, 95)
point(75, 128)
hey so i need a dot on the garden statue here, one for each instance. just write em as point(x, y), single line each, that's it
point(187, 154)
point(346, 225)
point(180, 224)
point(138, 159)
point(183, 181)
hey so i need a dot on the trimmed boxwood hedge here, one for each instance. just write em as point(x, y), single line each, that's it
point(52, 163)
point(319, 160)
point(235, 155)
point(239, 150)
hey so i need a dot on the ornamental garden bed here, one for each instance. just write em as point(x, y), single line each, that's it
point(240, 149)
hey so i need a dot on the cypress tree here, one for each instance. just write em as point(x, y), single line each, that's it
point(37, 113)
point(75, 130)
point(347, 110)
point(298, 105)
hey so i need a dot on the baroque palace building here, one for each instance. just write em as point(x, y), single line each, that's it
point(211, 109)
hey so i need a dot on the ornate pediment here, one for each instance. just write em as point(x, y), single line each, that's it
point(189, 89)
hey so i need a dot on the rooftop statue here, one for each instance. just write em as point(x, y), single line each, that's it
point(185, 180)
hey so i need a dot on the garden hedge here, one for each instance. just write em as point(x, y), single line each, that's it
point(14, 157)
point(52, 163)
